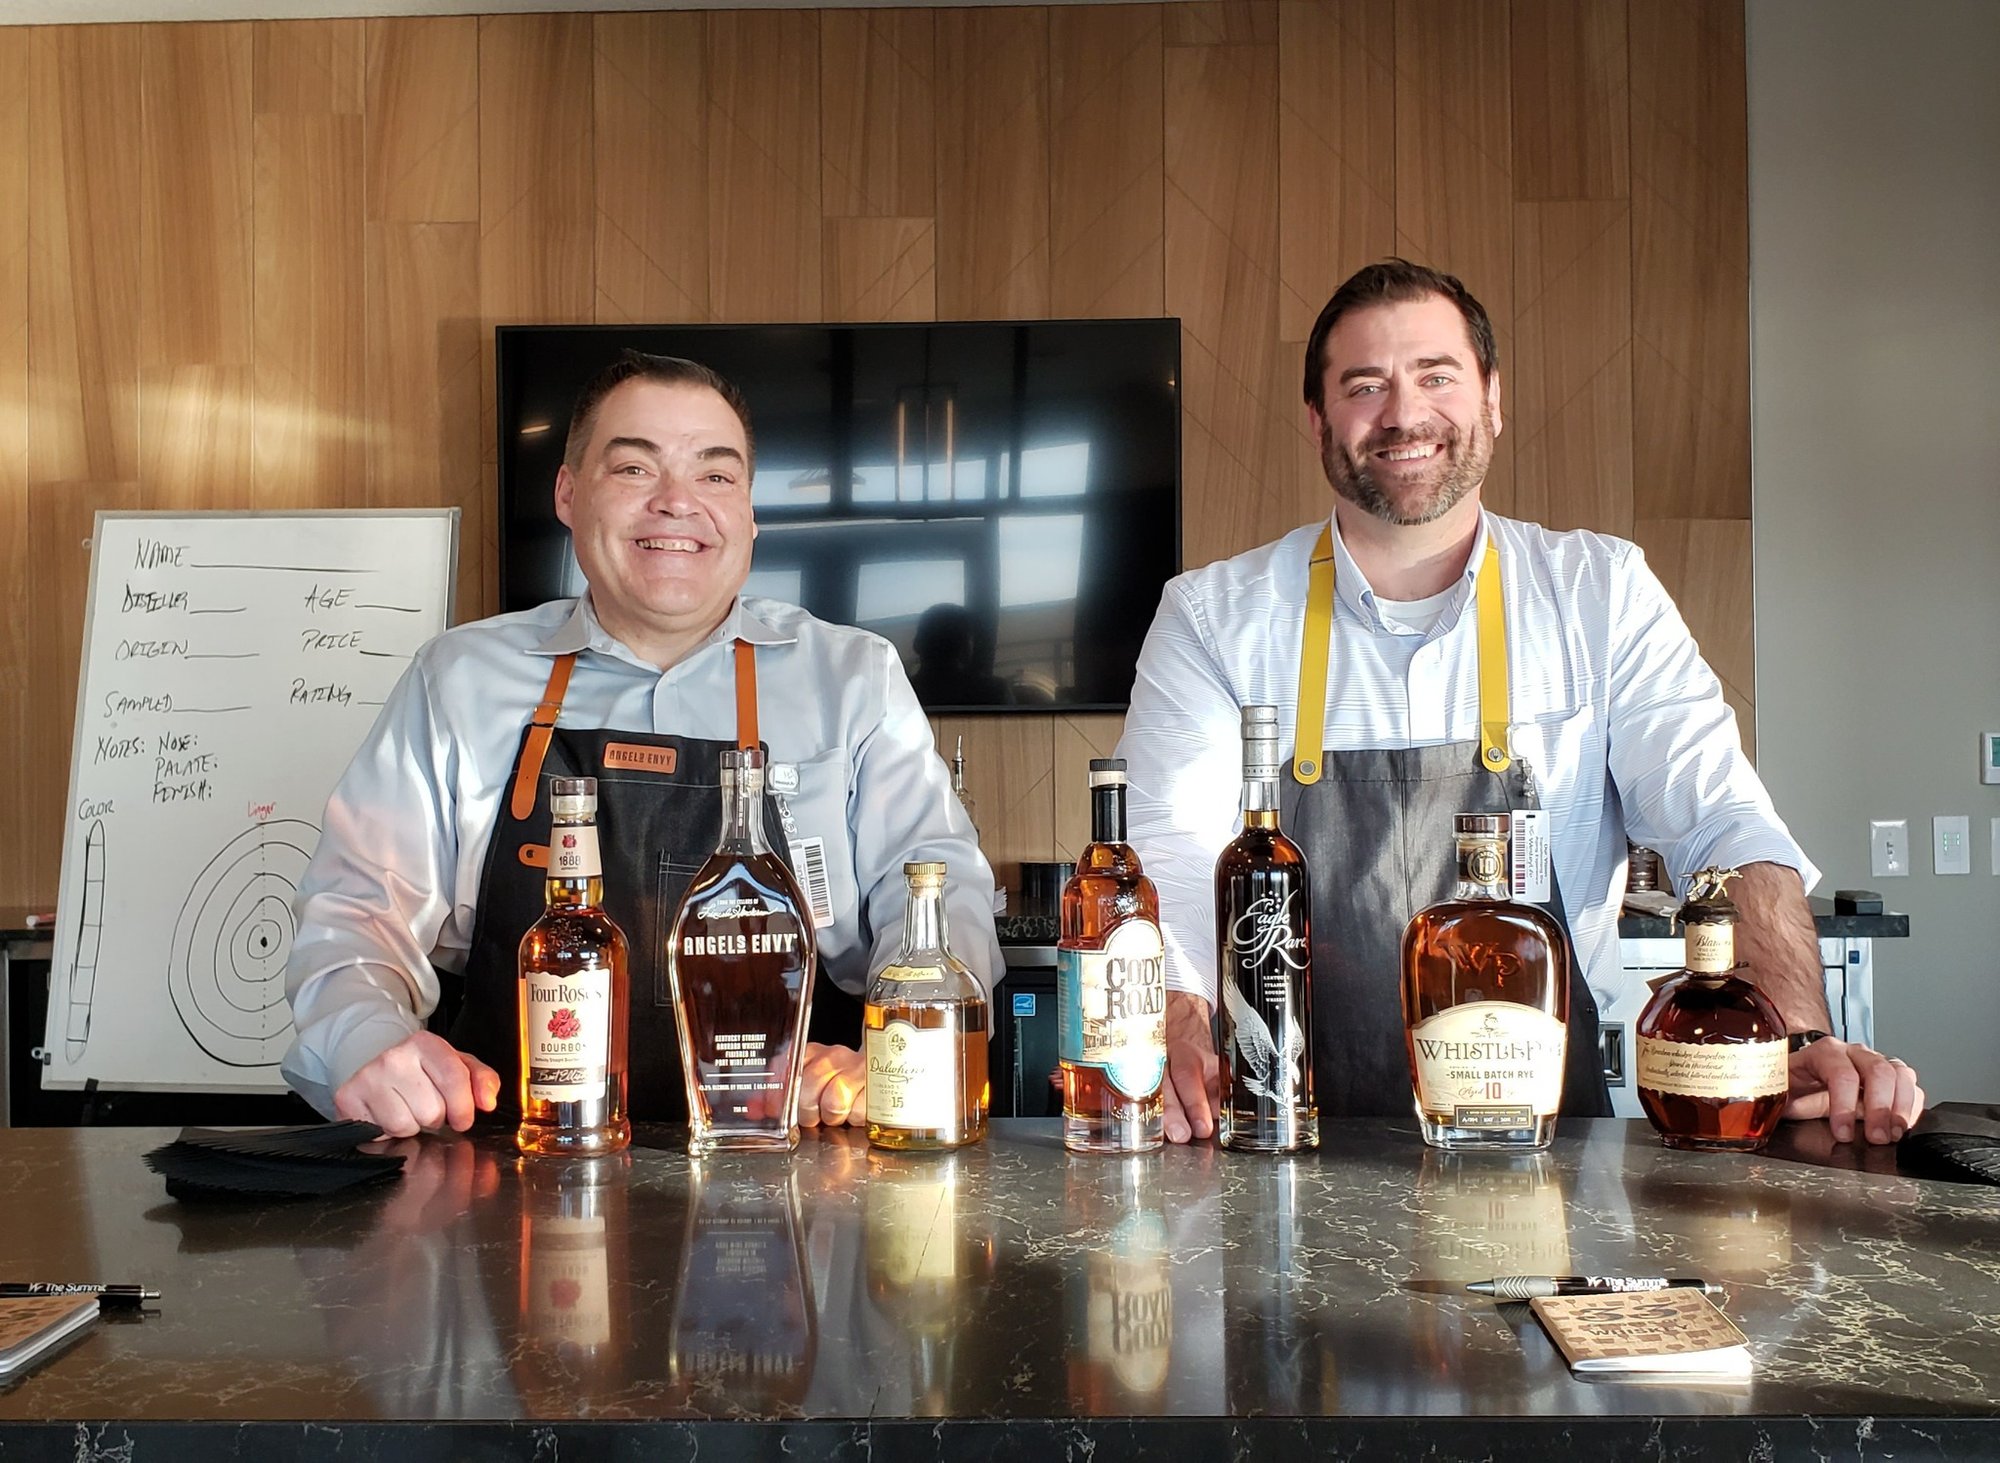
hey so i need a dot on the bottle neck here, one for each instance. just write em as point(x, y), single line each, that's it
point(1711, 947)
point(1260, 802)
point(569, 893)
point(742, 812)
point(1107, 813)
point(1482, 869)
point(576, 869)
point(924, 926)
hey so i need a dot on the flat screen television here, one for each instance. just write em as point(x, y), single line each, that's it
point(1001, 501)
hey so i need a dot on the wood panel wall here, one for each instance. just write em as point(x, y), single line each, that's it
point(258, 264)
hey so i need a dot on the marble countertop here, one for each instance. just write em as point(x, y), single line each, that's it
point(1009, 1300)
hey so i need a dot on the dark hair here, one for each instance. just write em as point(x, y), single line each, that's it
point(666, 371)
point(1396, 282)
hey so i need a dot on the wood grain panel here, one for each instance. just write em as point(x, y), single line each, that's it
point(1221, 22)
point(878, 135)
point(85, 169)
point(1222, 258)
point(1336, 149)
point(881, 269)
point(1706, 566)
point(194, 207)
point(993, 168)
point(18, 873)
point(310, 382)
point(652, 183)
point(1571, 403)
point(1077, 740)
point(1690, 261)
point(422, 110)
point(1570, 100)
point(1007, 771)
point(311, 66)
point(1107, 226)
point(1454, 184)
point(764, 165)
point(423, 382)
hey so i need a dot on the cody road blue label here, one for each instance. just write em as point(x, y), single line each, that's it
point(1111, 1008)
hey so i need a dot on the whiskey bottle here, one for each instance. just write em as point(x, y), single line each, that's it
point(1111, 994)
point(1485, 1004)
point(1713, 1065)
point(573, 995)
point(572, 1221)
point(1120, 1297)
point(958, 784)
point(924, 1033)
point(740, 961)
point(1263, 942)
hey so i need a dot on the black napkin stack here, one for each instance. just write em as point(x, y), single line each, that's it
point(1954, 1140)
point(271, 1163)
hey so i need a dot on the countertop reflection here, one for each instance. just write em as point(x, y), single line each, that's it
point(1009, 1281)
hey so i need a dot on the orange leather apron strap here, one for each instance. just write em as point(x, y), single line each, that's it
point(746, 695)
point(528, 776)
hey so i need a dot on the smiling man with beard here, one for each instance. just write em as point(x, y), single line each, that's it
point(429, 869)
point(1607, 717)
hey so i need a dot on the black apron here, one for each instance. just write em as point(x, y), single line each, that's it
point(1376, 829)
point(659, 815)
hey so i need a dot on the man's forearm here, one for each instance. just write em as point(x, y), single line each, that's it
point(1776, 939)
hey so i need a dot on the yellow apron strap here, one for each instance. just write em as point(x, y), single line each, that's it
point(1310, 741)
point(1495, 751)
point(1308, 755)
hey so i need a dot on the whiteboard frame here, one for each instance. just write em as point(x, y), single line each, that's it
point(43, 1054)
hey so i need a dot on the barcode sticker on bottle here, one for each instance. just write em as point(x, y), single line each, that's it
point(1528, 857)
point(809, 863)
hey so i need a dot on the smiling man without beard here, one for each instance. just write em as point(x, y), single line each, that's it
point(429, 868)
point(1606, 716)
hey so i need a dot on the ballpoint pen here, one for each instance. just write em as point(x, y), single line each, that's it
point(109, 1295)
point(1527, 1287)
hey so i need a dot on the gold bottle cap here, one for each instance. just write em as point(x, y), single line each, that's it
point(924, 871)
point(1480, 825)
point(573, 797)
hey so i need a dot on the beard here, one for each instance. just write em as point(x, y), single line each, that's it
point(1416, 497)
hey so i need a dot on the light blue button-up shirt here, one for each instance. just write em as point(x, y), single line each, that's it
point(393, 888)
point(1622, 721)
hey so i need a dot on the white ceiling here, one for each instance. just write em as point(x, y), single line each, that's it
point(89, 12)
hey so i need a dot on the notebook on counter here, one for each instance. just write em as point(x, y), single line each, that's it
point(33, 1325)
point(1655, 1333)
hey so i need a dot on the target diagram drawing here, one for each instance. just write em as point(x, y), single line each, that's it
point(226, 967)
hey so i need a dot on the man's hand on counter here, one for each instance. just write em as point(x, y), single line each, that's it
point(1853, 1086)
point(420, 1084)
point(833, 1087)
point(1193, 1084)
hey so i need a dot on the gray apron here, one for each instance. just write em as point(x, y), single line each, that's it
point(1376, 828)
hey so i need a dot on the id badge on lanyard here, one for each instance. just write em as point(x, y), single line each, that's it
point(808, 854)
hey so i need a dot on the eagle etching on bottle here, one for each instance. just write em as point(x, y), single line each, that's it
point(1264, 931)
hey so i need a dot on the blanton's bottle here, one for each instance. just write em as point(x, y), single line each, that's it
point(741, 962)
point(1714, 1065)
point(1263, 942)
point(924, 1033)
point(1485, 1004)
point(1111, 993)
point(573, 1000)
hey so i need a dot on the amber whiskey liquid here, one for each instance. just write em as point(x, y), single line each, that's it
point(573, 995)
point(923, 1033)
point(1713, 1063)
point(1485, 1005)
point(1263, 943)
point(740, 961)
point(1111, 994)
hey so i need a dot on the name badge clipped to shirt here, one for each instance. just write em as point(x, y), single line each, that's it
point(782, 777)
point(1528, 854)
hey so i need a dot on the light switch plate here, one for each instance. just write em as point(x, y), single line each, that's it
point(1951, 844)
point(1889, 848)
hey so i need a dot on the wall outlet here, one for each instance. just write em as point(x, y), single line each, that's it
point(1889, 848)
point(1951, 844)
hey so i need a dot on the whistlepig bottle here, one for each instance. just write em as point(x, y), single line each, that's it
point(573, 995)
point(1713, 1065)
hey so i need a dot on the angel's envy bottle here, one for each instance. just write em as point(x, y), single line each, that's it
point(1263, 951)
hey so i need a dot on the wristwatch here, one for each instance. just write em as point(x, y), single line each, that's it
point(1798, 1041)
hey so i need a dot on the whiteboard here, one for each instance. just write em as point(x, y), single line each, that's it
point(232, 662)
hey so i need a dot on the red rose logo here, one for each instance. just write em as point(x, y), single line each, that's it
point(564, 1025)
point(569, 840)
point(564, 1294)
